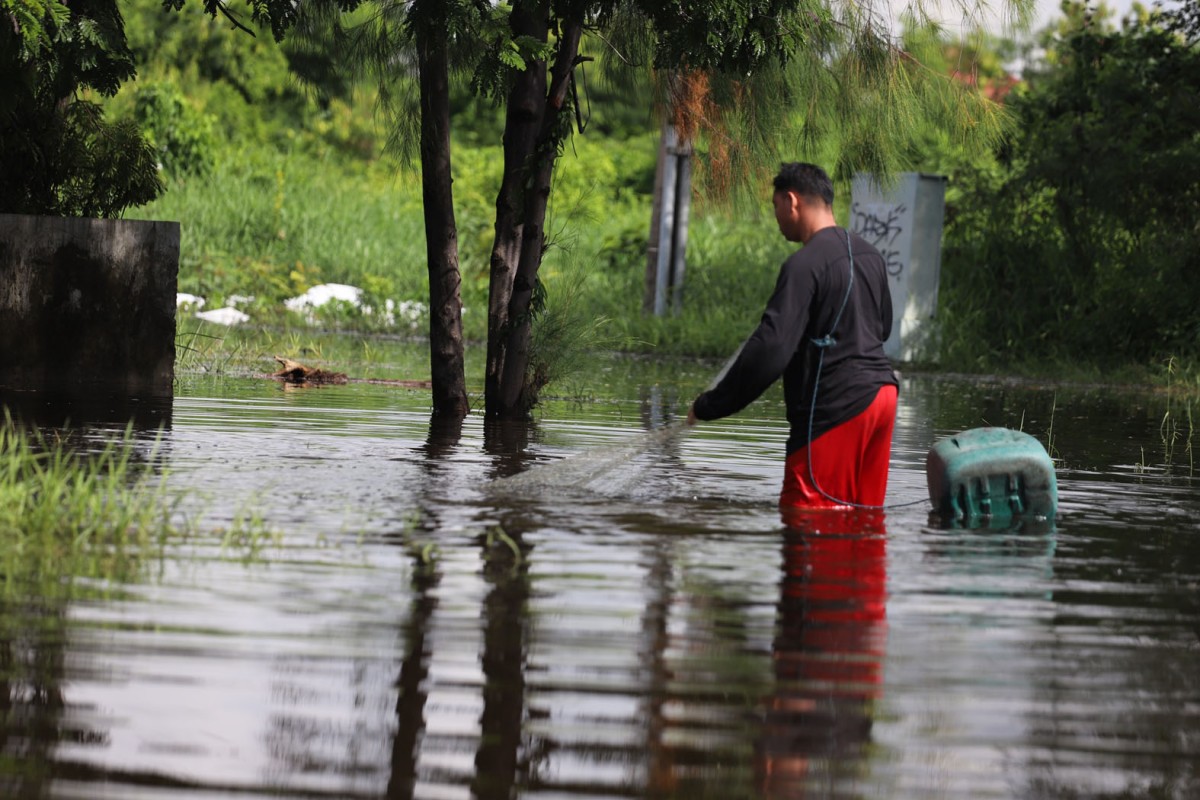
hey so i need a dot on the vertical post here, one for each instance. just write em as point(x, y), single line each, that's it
point(667, 249)
point(666, 227)
point(655, 226)
point(683, 204)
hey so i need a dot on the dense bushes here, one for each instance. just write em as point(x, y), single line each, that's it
point(1081, 242)
point(183, 138)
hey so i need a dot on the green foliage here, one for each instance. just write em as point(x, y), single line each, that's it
point(242, 79)
point(566, 331)
point(1184, 19)
point(1040, 254)
point(57, 153)
point(66, 513)
point(35, 22)
point(1081, 243)
point(252, 89)
point(270, 224)
point(782, 78)
point(183, 138)
point(732, 264)
point(278, 15)
point(737, 38)
point(808, 80)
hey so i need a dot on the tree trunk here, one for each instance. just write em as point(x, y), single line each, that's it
point(441, 231)
point(523, 121)
point(516, 395)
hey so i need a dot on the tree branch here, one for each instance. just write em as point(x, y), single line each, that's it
point(237, 23)
point(613, 48)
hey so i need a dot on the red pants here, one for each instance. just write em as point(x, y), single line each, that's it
point(849, 462)
point(829, 650)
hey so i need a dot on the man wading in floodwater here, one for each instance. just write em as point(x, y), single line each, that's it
point(823, 331)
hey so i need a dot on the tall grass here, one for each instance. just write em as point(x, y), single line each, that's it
point(269, 223)
point(70, 509)
point(68, 513)
point(732, 265)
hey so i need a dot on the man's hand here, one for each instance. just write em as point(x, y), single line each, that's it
point(692, 419)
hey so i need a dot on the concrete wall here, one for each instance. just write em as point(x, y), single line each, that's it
point(88, 303)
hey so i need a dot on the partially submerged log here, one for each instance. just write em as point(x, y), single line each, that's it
point(294, 373)
point(300, 375)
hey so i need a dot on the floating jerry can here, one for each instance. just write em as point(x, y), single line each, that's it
point(991, 472)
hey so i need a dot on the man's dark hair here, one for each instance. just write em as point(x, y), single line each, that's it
point(806, 180)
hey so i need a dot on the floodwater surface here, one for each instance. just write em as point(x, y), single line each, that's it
point(379, 610)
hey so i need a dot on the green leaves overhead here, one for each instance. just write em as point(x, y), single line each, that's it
point(278, 15)
point(733, 36)
point(57, 153)
point(59, 49)
point(36, 22)
point(782, 78)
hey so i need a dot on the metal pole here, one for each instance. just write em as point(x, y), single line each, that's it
point(651, 280)
point(683, 204)
point(666, 229)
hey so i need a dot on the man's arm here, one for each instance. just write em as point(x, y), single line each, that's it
point(769, 349)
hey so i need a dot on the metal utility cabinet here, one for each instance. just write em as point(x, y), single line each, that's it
point(904, 222)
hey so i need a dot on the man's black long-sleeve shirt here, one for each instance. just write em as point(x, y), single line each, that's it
point(810, 290)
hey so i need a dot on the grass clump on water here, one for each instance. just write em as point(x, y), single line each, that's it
point(67, 513)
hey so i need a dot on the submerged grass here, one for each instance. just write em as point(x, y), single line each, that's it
point(1177, 427)
point(66, 513)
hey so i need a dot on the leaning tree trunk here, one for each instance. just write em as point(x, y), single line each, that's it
point(526, 104)
point(517, 393)
point(441, 231)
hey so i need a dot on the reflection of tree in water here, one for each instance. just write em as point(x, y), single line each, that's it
point(305, 744)
point(501, 760)
point(445, 432)
point(411, 691)
point(668, 689)
point(507, 442)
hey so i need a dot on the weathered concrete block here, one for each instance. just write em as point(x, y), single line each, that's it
point(88, 303)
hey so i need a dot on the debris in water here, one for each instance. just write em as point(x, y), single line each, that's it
point(183, 300)
point(224, 316)
point(296, 373)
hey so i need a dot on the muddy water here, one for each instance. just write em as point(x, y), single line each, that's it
point(406, 629)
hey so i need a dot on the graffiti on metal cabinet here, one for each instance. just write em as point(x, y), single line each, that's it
point(881, 225)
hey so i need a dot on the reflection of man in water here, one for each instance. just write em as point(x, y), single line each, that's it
point(828, 654)
point(821, 329)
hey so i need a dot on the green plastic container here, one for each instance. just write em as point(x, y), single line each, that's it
point(993, 473)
